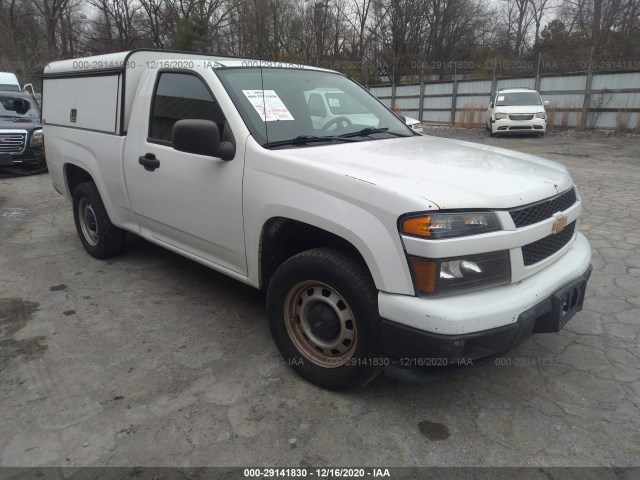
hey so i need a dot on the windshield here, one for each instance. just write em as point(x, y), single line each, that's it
point(11, 106)
point(296, 104)
point(518, 99)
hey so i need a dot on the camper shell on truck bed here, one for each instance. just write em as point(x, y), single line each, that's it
point(114, 79)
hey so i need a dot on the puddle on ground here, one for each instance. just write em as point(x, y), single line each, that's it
point(14, 315)
point(433, 431)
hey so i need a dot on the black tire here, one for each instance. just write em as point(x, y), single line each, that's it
point(108, 240)
point(347, 279)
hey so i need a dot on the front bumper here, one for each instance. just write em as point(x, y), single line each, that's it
point(494, 320)
point(418, 356)
point(508, 126)
point(492, 307)
point(31, 157)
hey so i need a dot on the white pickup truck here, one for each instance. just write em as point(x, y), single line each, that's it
point(379, 249)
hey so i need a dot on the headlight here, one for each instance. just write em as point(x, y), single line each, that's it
point(500, 116)
point(450, 275)
point(447, 225)
point(36, 138)
point(541, 115)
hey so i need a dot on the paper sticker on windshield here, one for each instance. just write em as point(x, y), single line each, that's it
point(334, 102)
point(268, 105)
point(501, 98)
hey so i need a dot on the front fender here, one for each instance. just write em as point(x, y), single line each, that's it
point(372, 232)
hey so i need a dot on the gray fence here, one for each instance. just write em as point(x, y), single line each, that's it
point(598, 100)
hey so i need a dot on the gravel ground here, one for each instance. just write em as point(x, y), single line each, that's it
point(151, 359)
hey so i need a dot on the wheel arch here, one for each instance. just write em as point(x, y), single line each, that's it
point(281, 238)
point(77, 172)
point(75, 175)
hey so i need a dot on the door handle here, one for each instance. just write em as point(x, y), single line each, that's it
point(149, 162)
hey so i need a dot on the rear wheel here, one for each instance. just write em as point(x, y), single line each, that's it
point(323, 315)
point(100, 238)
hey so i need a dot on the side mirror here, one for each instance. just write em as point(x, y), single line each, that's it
point(29, 88)
point(202, 137)
point(403, 118)
point(546, 103)
point(491, 105)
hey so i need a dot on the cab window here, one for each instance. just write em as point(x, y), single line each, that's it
point(180, 96)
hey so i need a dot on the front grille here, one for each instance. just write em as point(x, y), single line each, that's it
point(520, 117)
point(539, 250)
point(540, 211)
point(12, 142)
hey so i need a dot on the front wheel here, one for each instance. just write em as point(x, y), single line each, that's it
point(100, 238)
point(323, 315)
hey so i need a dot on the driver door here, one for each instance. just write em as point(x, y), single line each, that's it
point(189, 202)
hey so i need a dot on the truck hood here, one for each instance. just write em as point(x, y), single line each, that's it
point(448, 173)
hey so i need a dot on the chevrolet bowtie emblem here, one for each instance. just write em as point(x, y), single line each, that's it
point(559, 224)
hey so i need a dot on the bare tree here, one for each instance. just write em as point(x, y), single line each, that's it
point(518, 18)
point(538, 12)
point(391, 34)
point(51, 13)
point(154, 22)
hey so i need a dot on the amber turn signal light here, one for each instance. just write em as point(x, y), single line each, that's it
point(418, 226)
point(424, 273)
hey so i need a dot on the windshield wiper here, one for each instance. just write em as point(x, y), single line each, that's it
point(303, 139)
point(369, 130)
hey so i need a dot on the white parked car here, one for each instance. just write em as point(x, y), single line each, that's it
point(9, 82)
point(516, 111)
point(380, 250)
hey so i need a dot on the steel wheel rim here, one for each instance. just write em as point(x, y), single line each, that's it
point(88, 221)
point(299, 304)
